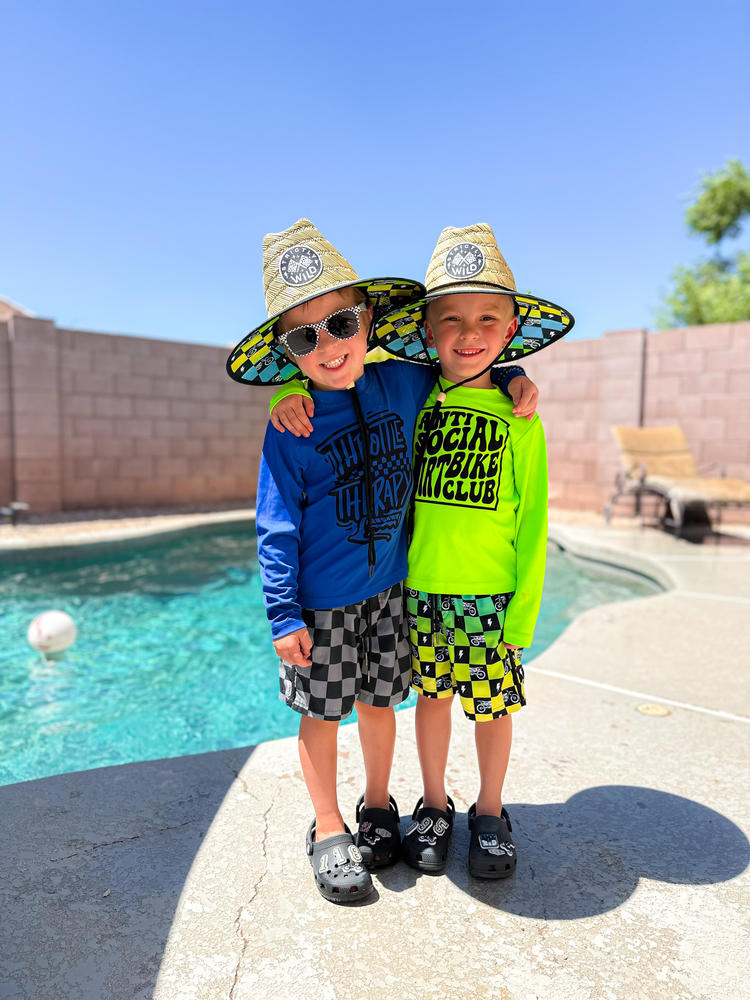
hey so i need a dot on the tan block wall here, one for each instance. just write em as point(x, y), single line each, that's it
point(109, 421)
point(587, 386)
point(36, 406)
point(148, 422)
point(114, 421)
point(699, 377)
point(6, 422)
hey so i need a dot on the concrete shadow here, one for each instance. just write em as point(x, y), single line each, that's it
point(586, 856)
point(91, 871)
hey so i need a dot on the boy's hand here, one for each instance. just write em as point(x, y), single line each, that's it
point(294, 412)
point(295, 647)
point(524, 394)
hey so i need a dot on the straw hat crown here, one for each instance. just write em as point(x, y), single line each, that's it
point(467, 256)
point(298, 265)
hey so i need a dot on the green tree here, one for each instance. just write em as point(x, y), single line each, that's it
point(716, 290)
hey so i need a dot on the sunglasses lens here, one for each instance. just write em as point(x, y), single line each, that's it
point(343, 325)
point(302, 341)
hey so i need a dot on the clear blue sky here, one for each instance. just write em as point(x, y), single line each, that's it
point(148, 146)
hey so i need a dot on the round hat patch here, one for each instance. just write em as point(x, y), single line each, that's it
point(465, 260)
point(300, 265)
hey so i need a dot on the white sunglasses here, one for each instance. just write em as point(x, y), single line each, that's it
point(341, 325)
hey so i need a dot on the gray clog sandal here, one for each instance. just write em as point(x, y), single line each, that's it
point(337, 866)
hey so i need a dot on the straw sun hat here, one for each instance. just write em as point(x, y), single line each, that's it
point(468, 260)
point(299, 265)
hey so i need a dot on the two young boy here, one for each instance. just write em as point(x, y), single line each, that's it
point(336, 614)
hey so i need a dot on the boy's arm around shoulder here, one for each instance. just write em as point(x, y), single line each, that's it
point(292, 408)
point(514, 383)
point(530, 475)
point(278, 518)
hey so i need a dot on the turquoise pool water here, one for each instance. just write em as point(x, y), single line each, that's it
point(173, 654)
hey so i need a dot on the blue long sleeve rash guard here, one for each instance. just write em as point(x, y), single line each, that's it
point(311, 514)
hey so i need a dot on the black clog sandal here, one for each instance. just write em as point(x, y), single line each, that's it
point(492, 853)
point(337, 865)
point(426, 842)
point(378, 836)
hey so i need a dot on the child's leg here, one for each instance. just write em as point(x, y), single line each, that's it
point(433, 729)
point(428, 838)
point(377, 735)
point(493, 739)
point(336, 862)
point(492, 853)
point(386, 669)
point(432, 677)
point(323, 694)
point(317, 754)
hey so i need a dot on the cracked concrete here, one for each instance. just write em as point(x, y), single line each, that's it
point(120, 840)
point(632, 873)
point(243, 915)
point(263, 852)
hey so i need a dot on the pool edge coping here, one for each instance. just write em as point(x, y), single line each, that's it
point(85, 543)
point(117, 538)
point(594, 550)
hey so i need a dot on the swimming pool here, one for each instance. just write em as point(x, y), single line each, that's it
point(173, 654)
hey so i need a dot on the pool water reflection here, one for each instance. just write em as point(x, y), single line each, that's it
point(173, 654)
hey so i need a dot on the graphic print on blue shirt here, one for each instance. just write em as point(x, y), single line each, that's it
point(391, 473)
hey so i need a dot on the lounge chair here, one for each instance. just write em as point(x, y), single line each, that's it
point(657, 461)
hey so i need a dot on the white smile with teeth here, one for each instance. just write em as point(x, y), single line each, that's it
point(468, 352)
point(336, 363)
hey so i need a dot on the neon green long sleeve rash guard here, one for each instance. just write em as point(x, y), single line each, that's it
point(480, 522)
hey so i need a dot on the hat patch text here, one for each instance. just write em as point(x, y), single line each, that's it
point(300, 265)
point(465, 260)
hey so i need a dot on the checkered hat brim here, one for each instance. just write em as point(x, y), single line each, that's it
point(541, 323)
point(259, 359)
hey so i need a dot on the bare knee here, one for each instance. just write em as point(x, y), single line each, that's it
point(434, 706)
point(373, 712)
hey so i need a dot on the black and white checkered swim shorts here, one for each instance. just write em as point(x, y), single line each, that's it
point(349, 662)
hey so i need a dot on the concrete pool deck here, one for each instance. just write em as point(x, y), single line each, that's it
point(186, 879)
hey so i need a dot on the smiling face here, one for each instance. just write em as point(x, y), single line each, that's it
point(469, 330)
point(334, 364)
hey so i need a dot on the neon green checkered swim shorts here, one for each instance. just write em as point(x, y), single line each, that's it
point(457, 647)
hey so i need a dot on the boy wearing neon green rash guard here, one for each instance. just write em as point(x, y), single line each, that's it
point(480, 523)
point(477, 555)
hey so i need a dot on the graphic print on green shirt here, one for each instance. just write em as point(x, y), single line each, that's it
point(462, 459)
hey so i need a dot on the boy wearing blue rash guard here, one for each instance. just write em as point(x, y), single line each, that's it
point(331, 541)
